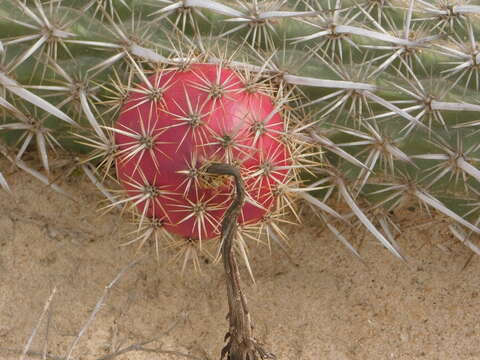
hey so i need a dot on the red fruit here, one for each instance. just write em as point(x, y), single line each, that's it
point(179, 121)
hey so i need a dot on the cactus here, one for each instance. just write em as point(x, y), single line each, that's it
point(360, 107)
point(385, 90)
point(177, 124)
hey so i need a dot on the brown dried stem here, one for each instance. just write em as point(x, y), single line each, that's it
point(241, 345)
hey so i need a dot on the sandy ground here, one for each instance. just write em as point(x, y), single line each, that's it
point(322, 303)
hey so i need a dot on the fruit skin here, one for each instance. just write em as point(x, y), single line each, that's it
point(179, 122)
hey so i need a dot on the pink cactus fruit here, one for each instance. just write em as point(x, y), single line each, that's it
point(178, 121)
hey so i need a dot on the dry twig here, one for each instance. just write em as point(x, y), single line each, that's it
point(34, 332)
point(140, 347)
point(241, 344)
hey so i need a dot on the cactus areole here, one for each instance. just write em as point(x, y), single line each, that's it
point(176, 123)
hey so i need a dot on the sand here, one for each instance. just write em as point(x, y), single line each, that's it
point(318, 303)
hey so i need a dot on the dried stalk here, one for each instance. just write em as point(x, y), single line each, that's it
point(241, 344)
